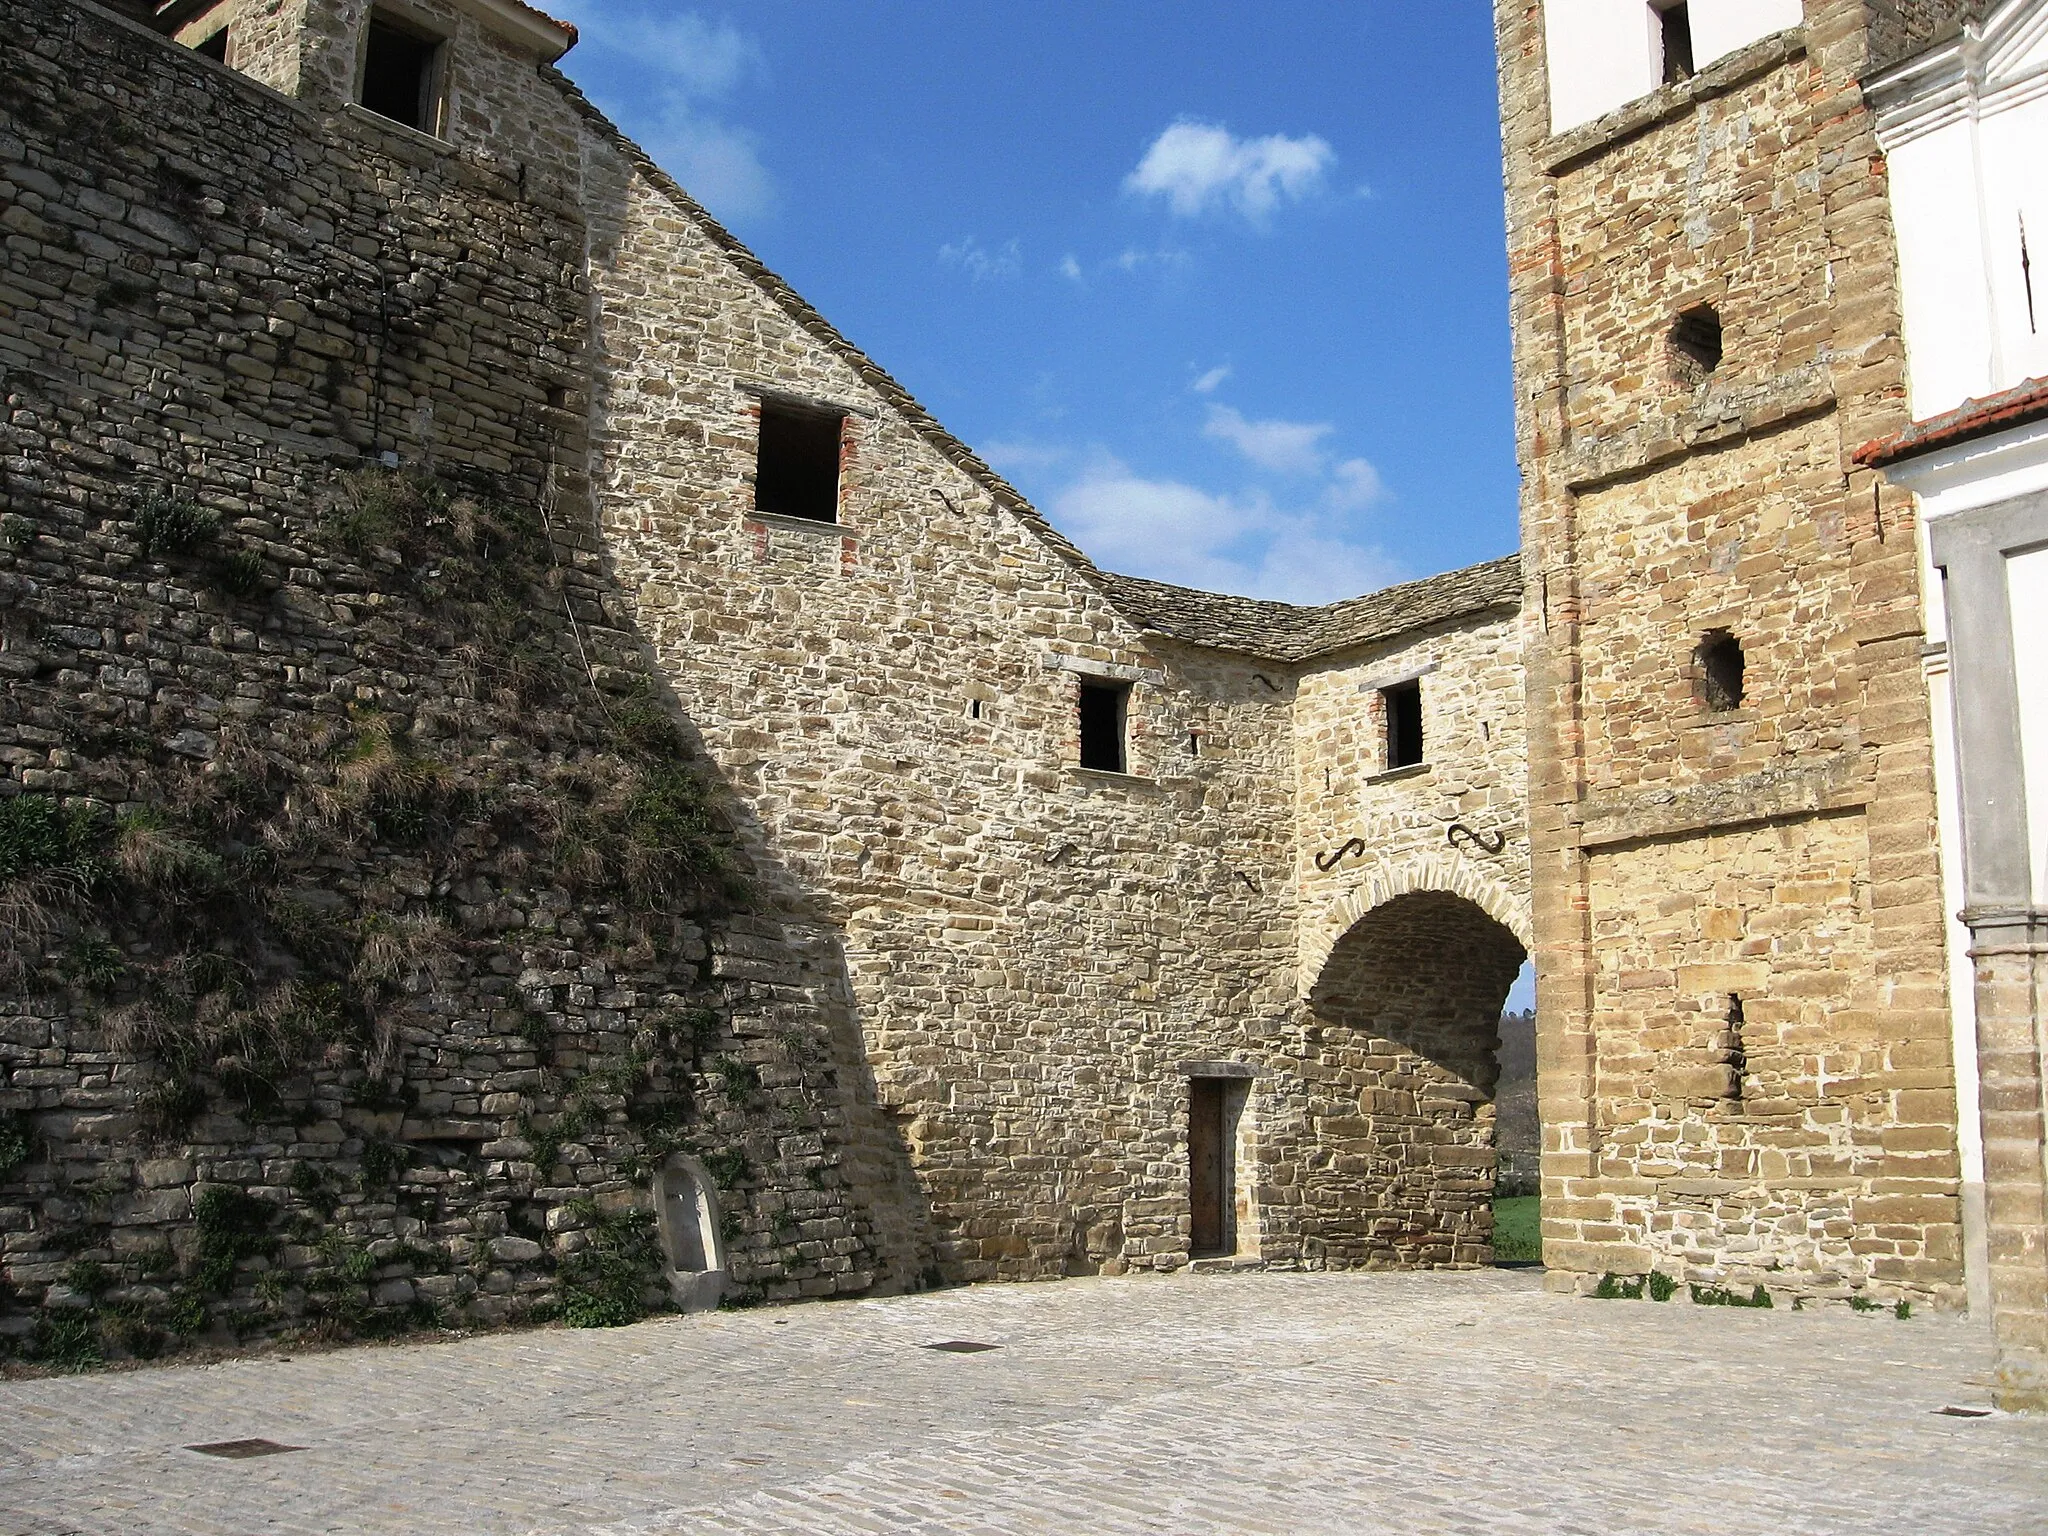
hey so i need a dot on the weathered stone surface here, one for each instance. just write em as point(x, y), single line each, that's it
point(1221, 1404)
point(946, 1026)
point(1738, 934)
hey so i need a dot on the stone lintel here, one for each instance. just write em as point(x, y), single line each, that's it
point(1240, 1069)
point(1563, 151)
point(1840, 781)
point(1395, 679)
point(1721, 415)
point(784, 396)
point(1088, 666)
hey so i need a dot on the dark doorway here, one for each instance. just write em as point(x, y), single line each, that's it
point(1214, 1106)
point(1405, 1018)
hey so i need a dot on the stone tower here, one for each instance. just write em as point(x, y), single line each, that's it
point(1746, 1062)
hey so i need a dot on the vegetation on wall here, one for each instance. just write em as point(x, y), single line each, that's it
point(261, 922)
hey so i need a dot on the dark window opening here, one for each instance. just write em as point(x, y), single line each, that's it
point(1696, 342)
point(1103, 708)
point(215, 47)
point(1676, 27)
point(797, 471)
point(1403, 703)
point(1720, 666)
point(401, 71)
point(974, 709)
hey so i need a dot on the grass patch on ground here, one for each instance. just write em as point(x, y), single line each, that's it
point(1517, 1230)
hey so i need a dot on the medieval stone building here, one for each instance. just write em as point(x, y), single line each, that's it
point(533, 767)
point(513, 723)
point(1748, 1053)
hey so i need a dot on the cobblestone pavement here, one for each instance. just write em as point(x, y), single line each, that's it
point(1251, 1402)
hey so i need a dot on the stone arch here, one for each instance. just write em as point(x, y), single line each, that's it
point(688, 1222)
point(1382, 881)
point(1399, 1032)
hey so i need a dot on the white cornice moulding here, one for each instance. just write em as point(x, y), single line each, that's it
point(1978, 473)
point(1963, 77)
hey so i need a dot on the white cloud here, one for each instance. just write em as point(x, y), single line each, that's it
point(979, 262)
point(673, 62)
point(1354, 484)
point(1198, 166)
point(1166, 257)
point(1174, 532)
point(1286, 447)
point(1070, 269)
point(694, 56)
point(1009, 454)
point(1295, 448)
point(1207, 383)
point(719, 165)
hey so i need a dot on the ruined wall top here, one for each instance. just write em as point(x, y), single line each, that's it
point(1901, 28)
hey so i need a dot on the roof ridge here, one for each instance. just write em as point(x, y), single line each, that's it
point(1297, 632)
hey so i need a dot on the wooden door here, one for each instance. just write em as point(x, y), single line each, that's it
point(1208, 1166)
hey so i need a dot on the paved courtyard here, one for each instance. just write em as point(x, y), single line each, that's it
point(1324, 1403)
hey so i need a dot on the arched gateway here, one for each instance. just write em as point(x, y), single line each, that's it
point(1401, 1020)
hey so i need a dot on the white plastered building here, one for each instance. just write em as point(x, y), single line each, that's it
point(1963, 124)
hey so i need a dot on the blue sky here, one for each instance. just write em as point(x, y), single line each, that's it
point(1220, 287)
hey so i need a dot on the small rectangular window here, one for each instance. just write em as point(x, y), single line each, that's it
point(402, 74)
point(1104, 709)
point(1719, 659)
point(1674, 25)
point(796, 471)
point(215, 47)
point(1403, 704)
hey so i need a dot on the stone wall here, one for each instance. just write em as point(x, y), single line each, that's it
point(1900, 27)
point(1743, 1051)
point(1456, 822)
point(637, 823)
point(344, 743)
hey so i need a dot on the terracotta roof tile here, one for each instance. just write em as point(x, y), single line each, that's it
point(553, 21)
point(1973, 418)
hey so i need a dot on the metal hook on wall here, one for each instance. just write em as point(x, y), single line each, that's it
point(1458, 830)
point(1329, 861)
